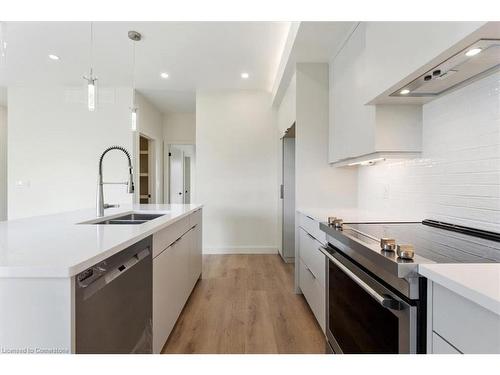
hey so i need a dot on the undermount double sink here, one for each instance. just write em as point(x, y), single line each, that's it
point(128, 219)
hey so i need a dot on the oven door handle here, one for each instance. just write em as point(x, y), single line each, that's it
point(385, 300)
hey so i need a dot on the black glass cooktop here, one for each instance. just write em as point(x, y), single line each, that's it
point(437, 242)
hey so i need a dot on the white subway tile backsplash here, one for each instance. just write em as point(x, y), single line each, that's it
point(458, 177)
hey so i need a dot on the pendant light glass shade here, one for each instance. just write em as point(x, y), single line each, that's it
point(3, 43)
point(133, 119)
point(91, 92)
point(91, 80)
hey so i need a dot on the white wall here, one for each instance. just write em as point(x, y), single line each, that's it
point(54, 145)
point(150, 124)
point(287, 107)
point(236, 170)
point(179, 128)
point(319, 186)
point(3, 163)
point(458, 177)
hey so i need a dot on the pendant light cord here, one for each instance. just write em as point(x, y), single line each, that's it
point(133, 75)
point(91, 49)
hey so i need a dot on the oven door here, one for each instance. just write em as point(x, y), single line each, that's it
point(363, 316)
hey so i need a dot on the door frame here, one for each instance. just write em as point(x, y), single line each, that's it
point(166, 167)
point(151, 167)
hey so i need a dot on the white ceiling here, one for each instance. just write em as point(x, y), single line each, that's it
point(197, 55)
point(315, 42)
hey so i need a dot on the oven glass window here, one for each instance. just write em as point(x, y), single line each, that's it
point(358, 322)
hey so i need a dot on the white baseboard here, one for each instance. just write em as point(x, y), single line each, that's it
point(241, 250)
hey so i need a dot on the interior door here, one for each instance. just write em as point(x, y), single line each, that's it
point(176, 175)
point(187, 180)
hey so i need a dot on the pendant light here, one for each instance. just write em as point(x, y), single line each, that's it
point(91, 79)
point(134, 36)
point(3, 44)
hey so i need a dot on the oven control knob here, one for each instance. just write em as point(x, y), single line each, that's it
point(338, 223)
point(388, 244)
point(331, 220)
point(405, 251)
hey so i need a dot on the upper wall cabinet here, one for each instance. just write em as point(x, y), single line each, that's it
point(377, 56)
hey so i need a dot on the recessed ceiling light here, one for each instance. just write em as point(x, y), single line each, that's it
point(404, 92)
point(473, 52)
point(53, 57)
point(164, 75)
point(245, 75)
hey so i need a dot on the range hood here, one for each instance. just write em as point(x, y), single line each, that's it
point(472, 62)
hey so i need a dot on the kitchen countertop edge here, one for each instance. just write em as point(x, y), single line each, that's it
point(30, 271)
point(447, 275)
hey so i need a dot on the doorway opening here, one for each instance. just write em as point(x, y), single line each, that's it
point(182, 164)
point(145, 169)
point(287, 250)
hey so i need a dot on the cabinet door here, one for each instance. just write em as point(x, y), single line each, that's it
point(194, 260)
point(352, 123)
point(167, 301)
point(313, 292)
point(196, 253)
point(196, 247)
point(439, 346)
point(183, 249)
point(312, 257)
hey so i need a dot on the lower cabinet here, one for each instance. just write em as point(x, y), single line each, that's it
point(312, 274)
point(458, 325)
point(440, 346)
point(176, 270)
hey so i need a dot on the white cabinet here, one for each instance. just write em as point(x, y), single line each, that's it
point(440, 346)
point(313, 293)
point(359, 130)
point(350, 120)
point(377, 56)
point(167, 302)
point(456, 324)
point(176, 270)
point(195, 249)
point(311, 226)
point(311, 264)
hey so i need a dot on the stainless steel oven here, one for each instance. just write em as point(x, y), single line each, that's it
point(363, 314)
point(375, 298)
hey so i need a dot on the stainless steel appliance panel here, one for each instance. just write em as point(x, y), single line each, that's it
point(113, 303)
point(363, 315)
point(288, 196)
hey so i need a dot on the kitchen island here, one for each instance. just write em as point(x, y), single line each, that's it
point(41, 257)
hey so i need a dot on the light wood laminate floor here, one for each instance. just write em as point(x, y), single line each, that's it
point(246, 304)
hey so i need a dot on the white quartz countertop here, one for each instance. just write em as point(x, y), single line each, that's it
point(60, 246)
point(479, 283)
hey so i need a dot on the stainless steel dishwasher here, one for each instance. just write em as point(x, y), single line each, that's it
point(113, 303)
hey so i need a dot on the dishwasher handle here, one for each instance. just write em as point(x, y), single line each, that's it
point(98, 277)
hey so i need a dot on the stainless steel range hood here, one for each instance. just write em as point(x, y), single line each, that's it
point(472, 62)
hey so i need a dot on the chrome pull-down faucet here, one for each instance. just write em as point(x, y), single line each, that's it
point(100, 194)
